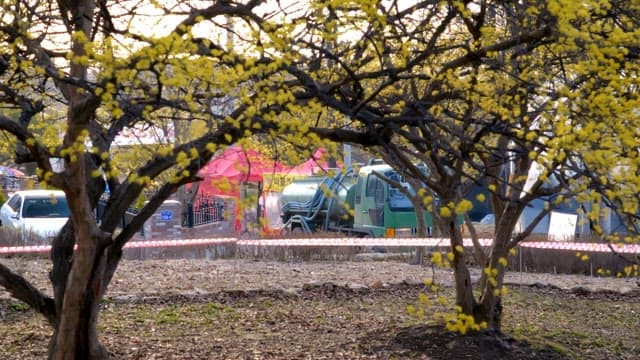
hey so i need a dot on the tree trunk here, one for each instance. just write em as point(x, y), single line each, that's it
point(76, 335)
point(489, 307)
point(421, 231)
point(464, 288)
point(78, 274)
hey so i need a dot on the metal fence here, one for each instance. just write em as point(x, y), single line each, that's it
point(204, 210)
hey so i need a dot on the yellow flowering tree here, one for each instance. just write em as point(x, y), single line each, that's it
point(435, 83)
point(486, 92)
point(162, 85)
point(466, 87)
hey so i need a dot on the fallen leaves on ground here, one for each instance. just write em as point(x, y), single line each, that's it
point(238, 309)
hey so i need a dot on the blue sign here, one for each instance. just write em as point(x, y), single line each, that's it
point(166, 215)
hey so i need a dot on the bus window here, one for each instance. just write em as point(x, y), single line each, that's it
point(372, 180)
point(397, 199)
point(358, 198)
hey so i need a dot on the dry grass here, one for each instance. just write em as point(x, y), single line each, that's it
point(13, 237)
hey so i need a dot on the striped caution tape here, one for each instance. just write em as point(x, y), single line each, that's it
point(583, 247)
point(24, 249)
point(172, 243)
point(357, 242)
point(390, 242)
point(131, 244)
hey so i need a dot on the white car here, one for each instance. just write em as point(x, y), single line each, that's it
point(38, 212)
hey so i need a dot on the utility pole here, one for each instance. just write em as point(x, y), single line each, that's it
point(346, 148)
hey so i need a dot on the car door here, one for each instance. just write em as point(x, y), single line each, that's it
point(9, 213)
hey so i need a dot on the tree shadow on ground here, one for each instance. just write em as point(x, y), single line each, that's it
point(436, 343)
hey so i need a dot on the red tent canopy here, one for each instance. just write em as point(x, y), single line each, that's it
point(223, 174)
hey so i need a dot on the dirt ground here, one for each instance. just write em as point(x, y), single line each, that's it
point(167, 277)
point(245, 309)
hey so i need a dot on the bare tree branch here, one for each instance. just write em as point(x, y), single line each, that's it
point(19, 288)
